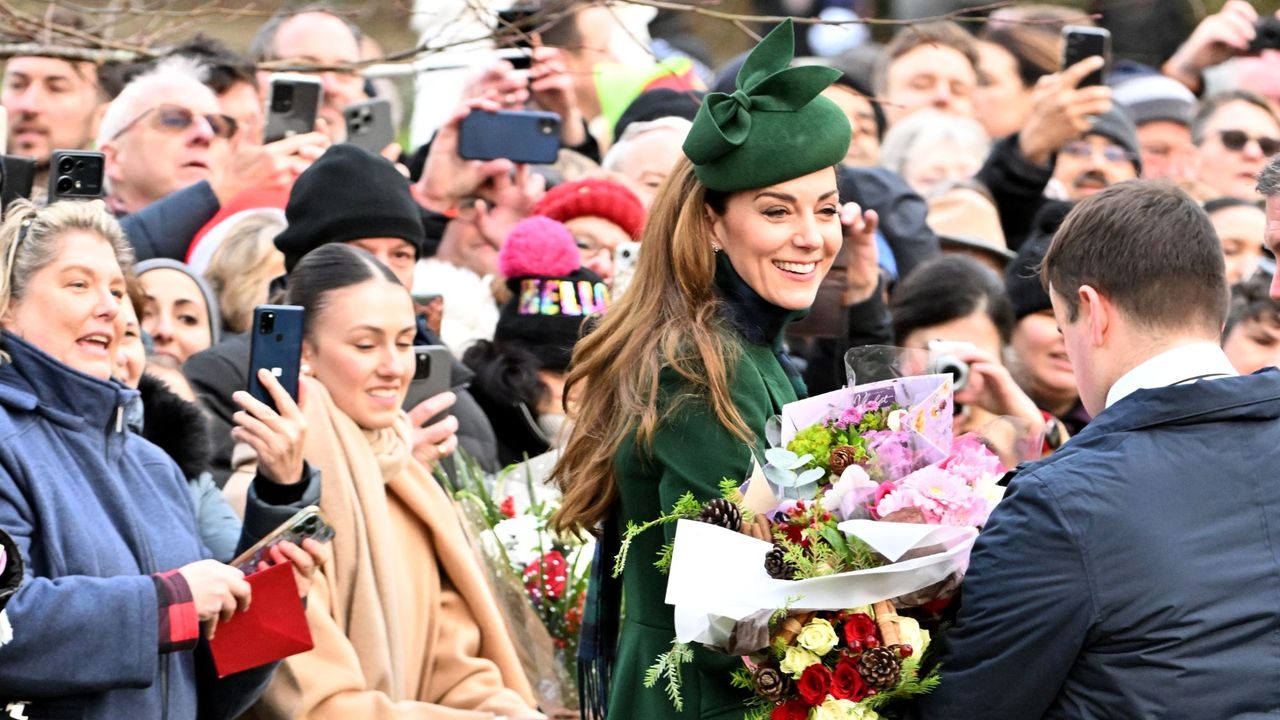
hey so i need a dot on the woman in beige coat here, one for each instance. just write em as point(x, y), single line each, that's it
point(404, 623)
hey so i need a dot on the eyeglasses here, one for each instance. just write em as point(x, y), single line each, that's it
point(1235, 140)
point(175, 118)
point(1083, 149)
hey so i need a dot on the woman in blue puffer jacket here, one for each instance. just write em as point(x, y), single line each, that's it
point(107, 621)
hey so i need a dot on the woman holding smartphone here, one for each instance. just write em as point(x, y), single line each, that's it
point(107, 620)
point(404, 623)
point(737, 243)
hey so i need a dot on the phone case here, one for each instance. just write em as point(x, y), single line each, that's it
point(75, 175)
point(308, 522)
point(292, 107)
point(1084, 42)
point(19, 174)
point(434, 374)
point(520, 136)
point(369, 125)
point(277, 346)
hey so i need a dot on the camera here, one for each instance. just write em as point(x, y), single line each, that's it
point(547, 126)
point(76, 174)
point(943, 360)
point(282, 98)
point(267, 323)
point(1268, 35)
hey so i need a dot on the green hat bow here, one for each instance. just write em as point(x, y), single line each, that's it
point(775, 108)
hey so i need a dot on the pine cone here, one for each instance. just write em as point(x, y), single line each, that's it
point(771, 684)
point(880, 667)
point(841, 458)
point(776, 565)
point(723, 513)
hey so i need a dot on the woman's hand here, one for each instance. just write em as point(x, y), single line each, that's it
point(305, 560)
point(1062, 111)
point(218, 592)
point(863, 268)
point(992, 388)
point(439, 439)
point(447, 178)
point(277, 437)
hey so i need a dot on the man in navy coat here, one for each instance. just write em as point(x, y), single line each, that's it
point(1135, 573)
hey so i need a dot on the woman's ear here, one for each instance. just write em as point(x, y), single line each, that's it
point(715, 223)
point(308, 358)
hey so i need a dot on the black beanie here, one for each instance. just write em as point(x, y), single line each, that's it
point(545, 314)
point(348, 194)
point(659, 103)
point(1022, 277)
point(1116, 126)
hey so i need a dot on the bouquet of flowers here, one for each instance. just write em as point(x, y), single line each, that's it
point(539, 577)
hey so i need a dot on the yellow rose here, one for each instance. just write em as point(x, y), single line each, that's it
point(796, 660)
point(834, 709)
point(818, 636)
point(912, 634)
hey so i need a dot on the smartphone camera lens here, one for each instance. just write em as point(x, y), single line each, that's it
point(66, 184)
point(66, 165)
point(309, 526)
point(282, 98)
point(267, 323)
point(546, 127)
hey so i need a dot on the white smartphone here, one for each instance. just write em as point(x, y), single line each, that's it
point(625, 257)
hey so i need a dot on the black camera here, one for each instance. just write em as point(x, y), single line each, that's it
point(75, 175)
point(1267, 28)
point(282, 98)
point(267, 323)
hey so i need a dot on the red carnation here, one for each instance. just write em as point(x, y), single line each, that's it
point(548, 574)
point(846, 681)
point(508, 507)
point(860, 632)
point(790, 710)
point(814, 684)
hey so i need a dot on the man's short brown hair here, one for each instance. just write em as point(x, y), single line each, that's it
point(943, 33)
point(1150, 249)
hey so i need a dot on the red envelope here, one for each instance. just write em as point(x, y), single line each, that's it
point(273, 628)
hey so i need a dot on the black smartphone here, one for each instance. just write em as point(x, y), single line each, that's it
point(293, 105)
point(522, 136)
point(308, 522)
point(1267, 34)
point(432, 375)
point(369, 124)
point(75, 175)
point(1080, 42)
point(17, 175)
point(276, 346)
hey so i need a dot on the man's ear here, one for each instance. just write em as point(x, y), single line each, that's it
point(95, 120)
point(1097, 312)
point(111, 168)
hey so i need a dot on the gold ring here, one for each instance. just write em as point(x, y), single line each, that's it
point(442, 450)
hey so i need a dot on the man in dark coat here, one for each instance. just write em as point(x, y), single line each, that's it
point(1133, 573)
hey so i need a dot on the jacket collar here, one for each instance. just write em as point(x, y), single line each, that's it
point(1185, 363)
point(1243, 397)
point(758, 320)
point(34, 380)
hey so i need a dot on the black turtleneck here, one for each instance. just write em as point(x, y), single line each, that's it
point(759, 321)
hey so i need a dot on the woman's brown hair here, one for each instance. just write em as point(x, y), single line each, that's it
point(667, 319)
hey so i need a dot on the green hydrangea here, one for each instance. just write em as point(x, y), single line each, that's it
point(814, 440)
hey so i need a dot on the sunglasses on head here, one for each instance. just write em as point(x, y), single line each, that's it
point(1235, 140)
point(175, 118)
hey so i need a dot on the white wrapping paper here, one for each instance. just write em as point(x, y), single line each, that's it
point(718, 577)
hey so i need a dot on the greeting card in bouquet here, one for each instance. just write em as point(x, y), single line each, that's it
point(273, 628)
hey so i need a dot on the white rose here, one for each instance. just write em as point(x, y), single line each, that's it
point(521, 537)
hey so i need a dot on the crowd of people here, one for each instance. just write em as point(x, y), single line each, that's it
point(707, 247)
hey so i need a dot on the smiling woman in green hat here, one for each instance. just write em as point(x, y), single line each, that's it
point(678, 379)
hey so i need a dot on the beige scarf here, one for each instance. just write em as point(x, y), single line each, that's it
point(357, 593)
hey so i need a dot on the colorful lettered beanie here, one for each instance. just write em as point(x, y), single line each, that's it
point(774, 127)
point(552, 293)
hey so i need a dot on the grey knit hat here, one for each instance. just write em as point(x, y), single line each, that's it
point(1149, 98)
point(210, 299)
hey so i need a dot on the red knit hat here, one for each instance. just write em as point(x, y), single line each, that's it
point(594, 198)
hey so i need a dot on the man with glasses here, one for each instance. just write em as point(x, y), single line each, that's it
point(173, 158)
point(1106, 154)
point(1234, 132)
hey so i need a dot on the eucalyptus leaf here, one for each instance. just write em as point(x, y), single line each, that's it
point(780, 457)
point(811, 476)
point(773, 431)
point(779, 476)
point(801, 461)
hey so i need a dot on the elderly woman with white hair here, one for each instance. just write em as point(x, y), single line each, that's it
point(645, 154)
point(932, 149)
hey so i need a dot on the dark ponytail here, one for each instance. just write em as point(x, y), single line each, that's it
point(330, 267)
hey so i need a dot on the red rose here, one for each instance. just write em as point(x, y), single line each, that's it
point(548, 574)
point(860, 632)
point(846, 681)
point(508, 507)
point(790, 710)
point(814, 684)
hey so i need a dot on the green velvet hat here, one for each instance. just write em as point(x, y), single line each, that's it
point(775, 127)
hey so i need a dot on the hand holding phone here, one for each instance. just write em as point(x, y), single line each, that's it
point(521, 136)
point(308, 522)
point(292, 106)
point(270, 420)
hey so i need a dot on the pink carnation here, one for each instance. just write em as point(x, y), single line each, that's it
point(539, 247)
point(972, 460)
